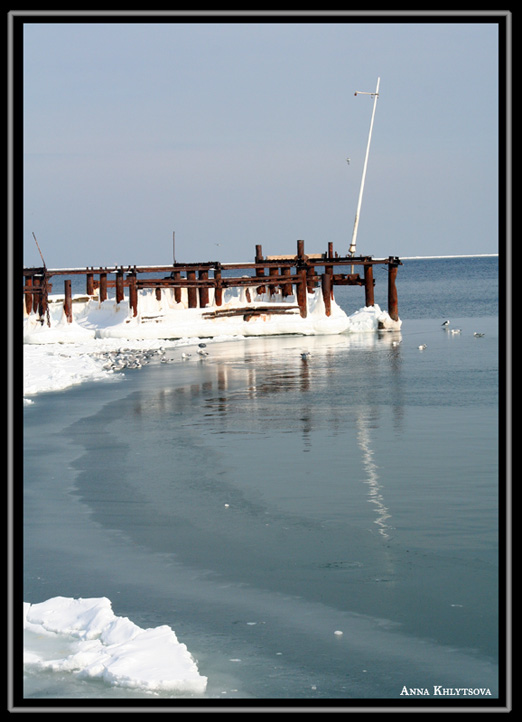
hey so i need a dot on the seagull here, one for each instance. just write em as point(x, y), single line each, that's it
point(201, 352)
point(305, 355)
point(185, 355)
point(446, 323)
point(455, 330)
point(477, 334)
point(422, 347)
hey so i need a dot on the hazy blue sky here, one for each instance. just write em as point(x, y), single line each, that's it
point(237, 134)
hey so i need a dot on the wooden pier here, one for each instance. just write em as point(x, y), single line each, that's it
point(268, 274)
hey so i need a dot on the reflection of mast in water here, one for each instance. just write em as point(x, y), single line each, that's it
point(371, 469)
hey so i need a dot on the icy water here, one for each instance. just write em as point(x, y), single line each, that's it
point(260, 504)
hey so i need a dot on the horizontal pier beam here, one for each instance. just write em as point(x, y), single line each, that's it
point(270, 261)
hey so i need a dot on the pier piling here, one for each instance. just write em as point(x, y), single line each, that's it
point(203, 289)
point(67, 303)
point(393, 304)
point(326, 285)
point(133, 293)
point(368, 286)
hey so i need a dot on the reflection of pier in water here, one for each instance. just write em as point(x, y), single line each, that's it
point(237, 377)
point(230, 385)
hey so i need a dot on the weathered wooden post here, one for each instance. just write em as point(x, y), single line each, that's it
point(133, 293)
point(67, 301)
point(192, 291)
point(310, 279)
point(302, 292)
point(326, 286)
point(393, 304)
point(272, 287)
point(36, 295)
point(119, 287)
point(103, 287)
point(90, 283)
point(368, 285)
point(218, 291)
point(28, 295)
point(330, 271)
point(176, 275)
point(42, 298)
point(302, 283)
point(260, 271)
point(203, 290)
point(286, 287)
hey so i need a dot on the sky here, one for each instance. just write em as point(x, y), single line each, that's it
point(147, 139)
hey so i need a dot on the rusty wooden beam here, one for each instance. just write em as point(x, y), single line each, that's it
point(286, 273)
point(302, 293)
point(133, 294)
point(218, 291)
point(67, 301)
point(192, 290)
point(369, 286)
point(119, 287)
point(90, 284)
point(203, 288)
point(393, 305)
point(326, 286)
point(260, 270)
point(103, 287)
point(28, 294)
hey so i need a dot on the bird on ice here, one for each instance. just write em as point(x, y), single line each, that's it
point(446, 323)
point(477, 334)
point(305, 355)
point(202, 352)
point(455, 330)
point(422, 347)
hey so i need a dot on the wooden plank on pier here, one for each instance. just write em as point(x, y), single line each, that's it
point(251, 311)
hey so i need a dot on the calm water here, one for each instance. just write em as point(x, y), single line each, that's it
point(257, 503)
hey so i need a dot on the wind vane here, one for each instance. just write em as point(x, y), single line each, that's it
point(375, 95)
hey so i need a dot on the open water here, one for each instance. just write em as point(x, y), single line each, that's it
point(258, 504)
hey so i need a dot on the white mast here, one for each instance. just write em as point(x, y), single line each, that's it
point(351, 250)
